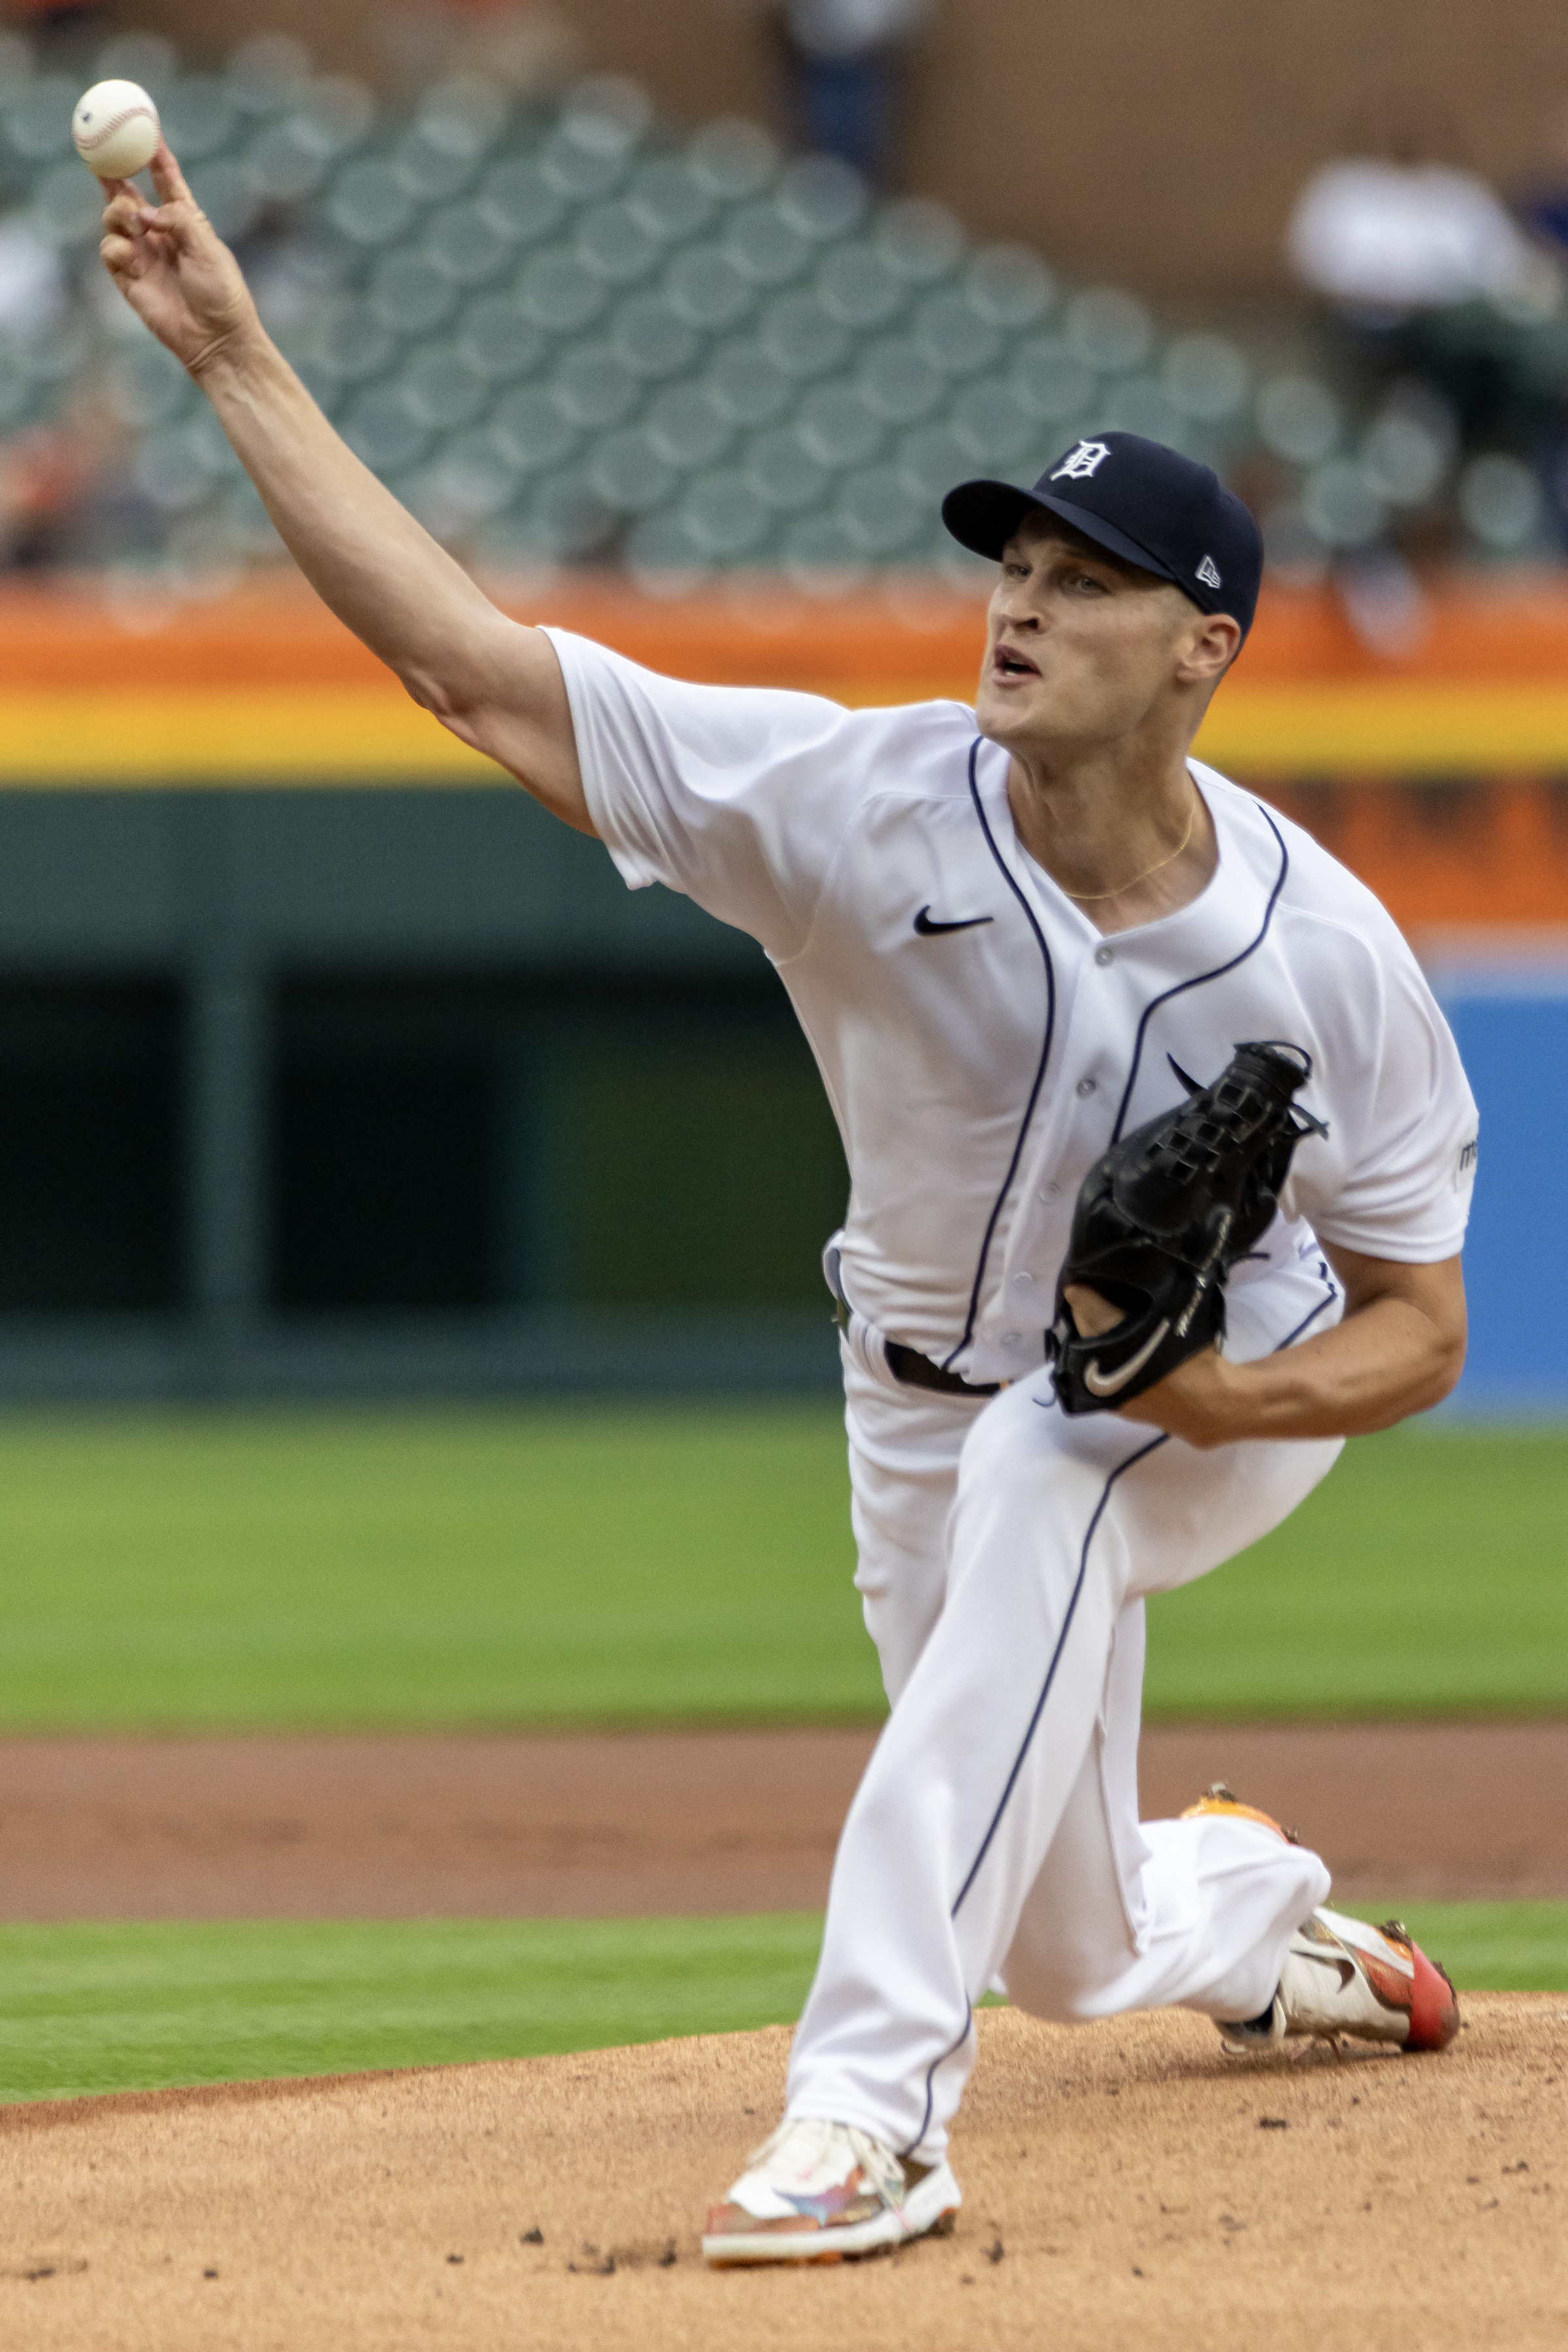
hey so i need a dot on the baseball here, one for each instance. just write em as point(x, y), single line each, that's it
point(116, 128)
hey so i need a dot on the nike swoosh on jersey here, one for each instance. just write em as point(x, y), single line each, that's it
point(1106, 1384)
point(930, 930)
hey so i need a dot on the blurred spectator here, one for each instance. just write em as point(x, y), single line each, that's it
point(63, 31)
point(525, 45)
point(846, 61)
point(45, 475)
point(1427, 277)
point(32, 282)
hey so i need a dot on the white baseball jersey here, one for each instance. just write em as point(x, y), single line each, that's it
point(981, 1042)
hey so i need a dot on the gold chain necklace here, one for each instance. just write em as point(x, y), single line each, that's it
point(1092, 898)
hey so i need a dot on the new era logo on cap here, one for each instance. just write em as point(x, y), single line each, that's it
point(1208, 572)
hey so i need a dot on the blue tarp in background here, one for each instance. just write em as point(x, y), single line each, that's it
point(1512, 1031)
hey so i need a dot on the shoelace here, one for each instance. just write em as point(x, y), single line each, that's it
point(878, 2163)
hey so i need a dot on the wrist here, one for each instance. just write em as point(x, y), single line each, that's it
point(234, 353)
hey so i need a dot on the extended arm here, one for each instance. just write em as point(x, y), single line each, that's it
point(1398, 1351)
point(496, 684)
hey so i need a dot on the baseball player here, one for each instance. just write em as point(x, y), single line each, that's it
point(1019, 937)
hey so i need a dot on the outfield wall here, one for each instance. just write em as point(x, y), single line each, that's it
point(333, 1065)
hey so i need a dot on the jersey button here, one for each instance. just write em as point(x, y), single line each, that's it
point(1012, 1338)
point(1050, 1191)
point(1022, 1281)
point(1086, 1087)
point(1103, 956)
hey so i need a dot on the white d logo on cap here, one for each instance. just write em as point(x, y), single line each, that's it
point(1087, 459)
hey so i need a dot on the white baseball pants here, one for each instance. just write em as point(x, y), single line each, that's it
point(1005, 1551)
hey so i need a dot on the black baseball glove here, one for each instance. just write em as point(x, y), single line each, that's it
point(1163, 1217)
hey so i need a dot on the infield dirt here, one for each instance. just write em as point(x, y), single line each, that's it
point(678, 1823)
point(1125, 2184)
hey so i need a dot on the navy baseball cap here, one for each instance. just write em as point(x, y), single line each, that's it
point(1137, 498)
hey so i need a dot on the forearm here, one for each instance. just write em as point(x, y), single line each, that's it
point(367, 558)
point(1382, 1363)
point(1397, 1352)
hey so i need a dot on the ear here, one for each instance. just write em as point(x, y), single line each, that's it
point(1210, 650)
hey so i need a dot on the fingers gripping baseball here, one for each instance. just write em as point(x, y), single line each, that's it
point(173, 269)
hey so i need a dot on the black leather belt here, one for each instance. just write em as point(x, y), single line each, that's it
point(913, 1370)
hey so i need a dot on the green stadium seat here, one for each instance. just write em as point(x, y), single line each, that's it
point(354, 344)
point(627, 471)
point(820, 555)
point(521, 202)
point(1108, 330)
point(370, 204)
point(67, 205)
point(617, 244)
point(1206, 377)
point(495, 338)
point(476, 474)
point(747, 385)
point(707, 288)
point(802, 336)
point(1009, 287)
point(199, 116)
point(995, 427)
point(898, 382)
point(467, 246)
point(668, 200)
point(409, 295)
point(267, 73)
point(593, 389)
point(443, 392)
point(920, 241)
point(432, 168)
point(951, 334)
point(1298, 419)
point(880, 513)
point(531, 431)
point(145, 386)
point(837, 426)
point(765, 246)
point(724, 517)
point(860, 287)
point(783, 471)
point(688, 427)
point(653, 339)
point(382, 428)
point(558, 294)
point(931, 459)
point(821, 197)
point(1050, 381)
point(733, 159)
point(1140, 404)
point(38, 119)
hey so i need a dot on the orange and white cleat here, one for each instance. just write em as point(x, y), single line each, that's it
point(1342, 1977)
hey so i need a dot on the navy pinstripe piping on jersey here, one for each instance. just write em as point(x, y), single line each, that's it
point(990, 1234)
point(1308, 1320)
point(951, 2052)
point(1132, 1460)
point(1198, 979)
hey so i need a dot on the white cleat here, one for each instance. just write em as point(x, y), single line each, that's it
point(816, 2191)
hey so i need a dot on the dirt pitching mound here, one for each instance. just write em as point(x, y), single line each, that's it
point(1125, 2184)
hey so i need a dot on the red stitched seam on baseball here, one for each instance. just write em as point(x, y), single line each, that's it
point(130, 114)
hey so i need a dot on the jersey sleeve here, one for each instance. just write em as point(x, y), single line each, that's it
point(736, 796)
point(1406, 1193)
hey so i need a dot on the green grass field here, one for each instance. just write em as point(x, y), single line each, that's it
point(627, 1565)
point(89, 2009)
point(681, 1564)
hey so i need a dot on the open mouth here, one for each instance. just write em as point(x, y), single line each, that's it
point(1007, 664)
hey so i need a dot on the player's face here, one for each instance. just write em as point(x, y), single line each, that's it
point(1082, 648)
